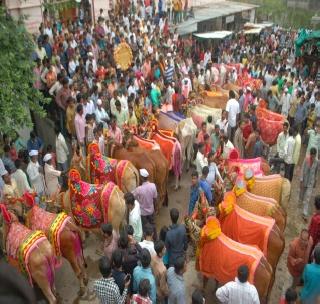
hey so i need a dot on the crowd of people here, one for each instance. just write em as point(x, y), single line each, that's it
point(93, 100)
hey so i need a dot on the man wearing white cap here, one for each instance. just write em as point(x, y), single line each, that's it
point(101, 115)
point(146, 195)
point(51, 176)
point(92, 61)
point(34, 171)
point(285, 102)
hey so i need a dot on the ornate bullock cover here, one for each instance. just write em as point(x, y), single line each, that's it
point(121, 168)
point(20, 243)
point(100, 169)
point(85, 201)
point(270, 125)
point(50, 223)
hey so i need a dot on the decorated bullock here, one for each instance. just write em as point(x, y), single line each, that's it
point(63, 235)
point(248, 228)
point(186, 131)
point(101, 170)
point(31, 253)
point(91, 205)
point(259, 205)
point(270, 125)
point(274, 186)
point(258, 165)
point(200, 113)
point(140, 145)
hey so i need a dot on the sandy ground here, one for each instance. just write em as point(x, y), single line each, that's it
point(67, 284)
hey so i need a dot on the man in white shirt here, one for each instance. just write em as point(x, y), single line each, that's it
point(134, 215)
point(207, 58)
point(227, 146)
point(148, 239)
point(201, 160)
point(214, 173)
point(40, 51)
point(233, 111)
point(34, 171)
point(88, 107)
point(101, 115)
point(285, 101)
point(239, 291)
point(21, 179)
point(62, 151)
point(92, 61)
point(51, 177)
point(288, 157)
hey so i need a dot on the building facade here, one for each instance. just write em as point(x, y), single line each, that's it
point(34, 10)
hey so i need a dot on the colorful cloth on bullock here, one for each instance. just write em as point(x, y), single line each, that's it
point(106, 195)
point(223, 265)
point(270, 124)
point(268, 186)
point(85, 203)
point(102, 169)
point(167, 147)
point(121, 168)
point(20, 243)
point(144, 143)
point(248, 228)
point(259, 205)
point(50, 223)
point(244, 164)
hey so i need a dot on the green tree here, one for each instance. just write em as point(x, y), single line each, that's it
point(17, 95)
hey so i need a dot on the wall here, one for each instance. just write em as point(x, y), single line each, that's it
point(98, 4)
point(30, 8)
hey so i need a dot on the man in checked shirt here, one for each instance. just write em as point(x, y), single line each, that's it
point(106, 288)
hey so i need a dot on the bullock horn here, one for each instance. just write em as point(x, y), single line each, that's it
point(6, 215)
point(28, 199)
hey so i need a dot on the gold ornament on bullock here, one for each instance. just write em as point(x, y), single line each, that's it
point(249, 178)
point(211, 230)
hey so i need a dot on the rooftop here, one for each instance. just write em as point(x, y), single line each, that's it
point(211, 11)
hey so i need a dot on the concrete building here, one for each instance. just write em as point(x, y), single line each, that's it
point(304, 4)
point(217, 15)
point(34, 9)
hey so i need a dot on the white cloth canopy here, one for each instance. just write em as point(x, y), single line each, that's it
point(214, 35)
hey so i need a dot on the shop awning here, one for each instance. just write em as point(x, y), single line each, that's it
point(213, 35)
point(253, 31)
point(249, 25)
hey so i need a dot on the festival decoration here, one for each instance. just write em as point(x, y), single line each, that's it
point(123, 56)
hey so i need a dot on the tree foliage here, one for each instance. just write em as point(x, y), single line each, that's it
point(278, 12)
point(17, 95)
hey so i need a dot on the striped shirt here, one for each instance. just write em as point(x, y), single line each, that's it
point(236, 292)
point(177, 290)
point(168, 73)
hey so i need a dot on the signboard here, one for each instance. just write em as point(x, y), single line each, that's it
point(230, 19)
